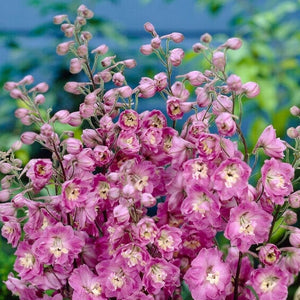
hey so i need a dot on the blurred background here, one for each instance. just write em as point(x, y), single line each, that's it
point(270, 55)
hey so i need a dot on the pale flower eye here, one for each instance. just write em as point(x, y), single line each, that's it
point(269, 284)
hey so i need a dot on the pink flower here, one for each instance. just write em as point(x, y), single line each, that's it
point(276, 179)
point(129, 120)
point(231, 178)
point(269, 254)
point(269, 283)
point(271, 145)
point(11, 230)
point(57, 245)
point(225, 124)
point(146, 231)
point(248, 224)
point(168, 241)
point(40, 172)
point(208, 146)
point(208, 277)
point(128, 142)
point(160, 274)
point(86, 284)
point(176, 56)
point(161, 81)
point(117, 279)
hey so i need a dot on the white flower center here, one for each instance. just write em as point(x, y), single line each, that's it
point(212, 276)
point(231, 175)
point(246, 225)
point(57, 248)
point(158, 274)
point(268, 284)
point(27, 260)
point(199, 170)
point(165, 241)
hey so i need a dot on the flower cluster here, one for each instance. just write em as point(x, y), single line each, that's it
point(134, 207)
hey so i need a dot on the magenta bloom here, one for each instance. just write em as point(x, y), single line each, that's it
point(118, 280)
point(269, 283)
point(276, 179)
point(86, 284)
point(248, 224)
point(269, 254)
point(129, 120)
point(231, 178)
point(40, 172)
point(208, 277)
point(160, 274)
point(57, 245)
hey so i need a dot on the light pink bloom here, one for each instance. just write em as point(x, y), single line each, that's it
point(146, 87)
point(248, 224)
point(161, 81)
point(269, 283)
point(231, 178)
point(128, 142)
point(129, 120)
point(160, 274)
point(57, 245)
point(208, 277)
point(86, 284)
point(276, 179)
point(272, 146)
point(145, 231)
point(11, 230)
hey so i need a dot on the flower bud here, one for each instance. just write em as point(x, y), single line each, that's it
point(195, 78)
point(26, 80)
point(28, 137)
point(4, 195)
point(155, 42)
point(10, 85)
point(85, 12)
point(149, 28)
point(161, 81)
point(62, 116)
point(118, 79)
point(102, 49)
point(16, 94)
point(21, 112)
point(86, 36)
point(295, 111)
point(75, 65)
point(68, 30)
point(121, 213)
point(59, 19)
point(63, 48)
point(295, 237)
point(80, 20)
point(198, 47)
point(46, 130)
point(203, 99)
point(176, 56)
point(75, 119)
point(294, 199)
point(105, 76)
point(206, 38)
point(251, 89)
point(234, 83)
point(129, 63)
point(176, 37)
point(26, 120)
point(107, 61)
point(40, 88)
point(6, 181)
point(82, 50)
point(219, 61)
point(233, 43)
point(125, 91)
point(73, 87)
point(39, 99)
point(146, 49)
point(292, 133)
point(5, 168)
point(73, 146)
point(290, 217)
point(148, 200)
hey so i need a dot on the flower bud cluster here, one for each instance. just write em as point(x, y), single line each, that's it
point(132, 207)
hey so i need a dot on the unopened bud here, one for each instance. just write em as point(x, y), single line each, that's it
point(219, 61)
point(73, 146)
point(125, 91)
point(86, 36)
point(233, 43)
point(251, 89)
point(206, 38)
point(146, 49)
point(295, 111)
point(155, 42)
point(26, 80)
point(118, 79)
point(28, 137)
point(40, 88)
point(85, 12)
point(290, 217)
point(102, 49)
point(59, 19)
point(10, 85)
point(21, 112)
point(5, 168)
point(149, 28)
point(107, 61)
point(17, 145)
point(234, 83)
point(176, 37)
point(63, 48)
point(292, 133)
point(198, 47)
point(294, 199)
point(82, 50)
point(4, 195)
point(75, 65)
point(129, 63)
point(75, 119)
point(39, 99)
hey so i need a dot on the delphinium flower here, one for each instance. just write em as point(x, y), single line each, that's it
point(269, 283)
point(248, 224)
point(209, 277)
